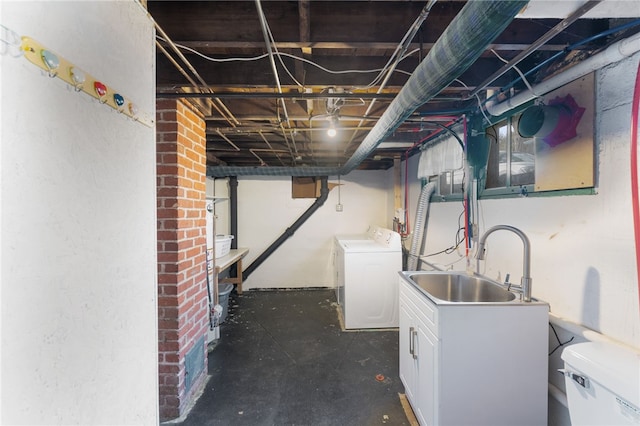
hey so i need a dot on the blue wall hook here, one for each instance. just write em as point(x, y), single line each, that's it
point(118, 99)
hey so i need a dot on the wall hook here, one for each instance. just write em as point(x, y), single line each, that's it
point(119, 101)
point(81, 81)
point(77, 77)
point(101, 91)
point(51, 61)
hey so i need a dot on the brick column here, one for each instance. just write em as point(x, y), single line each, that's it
point(182, 288)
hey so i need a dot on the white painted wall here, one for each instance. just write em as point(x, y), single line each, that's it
point(266, 210)
point(78, 232)
point(583, 251)
point(583, 261)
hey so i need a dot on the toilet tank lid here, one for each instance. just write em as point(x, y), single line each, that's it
point(613, 366)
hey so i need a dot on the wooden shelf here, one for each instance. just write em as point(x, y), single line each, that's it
point(234, 256)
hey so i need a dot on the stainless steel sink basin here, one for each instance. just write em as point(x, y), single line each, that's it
point(458, 287)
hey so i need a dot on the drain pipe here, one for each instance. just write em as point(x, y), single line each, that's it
point(614, 53)
point(324, 194)
point(233, 219)
point(473, 29)
point(233, 210)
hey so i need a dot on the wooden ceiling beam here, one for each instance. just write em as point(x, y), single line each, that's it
point(222, 47)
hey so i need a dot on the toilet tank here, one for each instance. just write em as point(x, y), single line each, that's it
point(603, 384)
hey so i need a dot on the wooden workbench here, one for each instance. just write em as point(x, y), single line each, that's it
point(234, 256)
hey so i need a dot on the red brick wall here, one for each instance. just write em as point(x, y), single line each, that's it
point(182, 288)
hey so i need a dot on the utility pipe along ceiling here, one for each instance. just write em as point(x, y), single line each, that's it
point(271, 78)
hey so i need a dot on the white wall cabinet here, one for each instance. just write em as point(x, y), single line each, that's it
point(473, 364)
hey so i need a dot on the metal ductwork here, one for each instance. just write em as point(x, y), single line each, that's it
point(464, 40)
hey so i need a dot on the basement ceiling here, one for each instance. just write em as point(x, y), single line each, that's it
point(272, 77)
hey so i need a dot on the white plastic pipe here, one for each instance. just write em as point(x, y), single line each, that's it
point(558, 395)
point(614, 53)
point(584, 332)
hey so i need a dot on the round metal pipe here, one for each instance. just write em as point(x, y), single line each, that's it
point(614, 53)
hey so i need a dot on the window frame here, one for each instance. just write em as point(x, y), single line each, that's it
point(517, 191)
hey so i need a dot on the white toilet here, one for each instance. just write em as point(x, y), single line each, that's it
point(603, 384)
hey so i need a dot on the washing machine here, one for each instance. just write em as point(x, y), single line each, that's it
point(366, 268)
point(338, 240)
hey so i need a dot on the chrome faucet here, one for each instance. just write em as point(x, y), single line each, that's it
point(526, 280)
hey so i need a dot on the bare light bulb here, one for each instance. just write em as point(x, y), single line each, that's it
point(331, 132)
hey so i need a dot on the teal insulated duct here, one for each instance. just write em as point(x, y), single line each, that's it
point(460, 45)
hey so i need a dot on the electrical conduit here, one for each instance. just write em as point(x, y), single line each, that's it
point(459, 46)
point(443, 127)
point(398, 55)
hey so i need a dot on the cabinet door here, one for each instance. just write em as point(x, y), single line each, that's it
point(407, 362)
point(426, 350)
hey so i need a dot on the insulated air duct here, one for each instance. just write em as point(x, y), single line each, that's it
point(459, 46)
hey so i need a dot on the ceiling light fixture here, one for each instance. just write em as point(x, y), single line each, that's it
point(332, 132)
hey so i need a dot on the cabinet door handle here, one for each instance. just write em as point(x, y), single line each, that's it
point(412, 342)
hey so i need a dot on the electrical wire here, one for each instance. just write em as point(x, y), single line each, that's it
point(283, 54)
point(484, 114)
point(457, 241)
point(565, 51)
point(394, 59)
point(391, 64)
point(524, 79)
point(560, 343)
point(276, 53)
point(212, 59)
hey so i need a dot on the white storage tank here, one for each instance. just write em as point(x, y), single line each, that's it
point(603, 384)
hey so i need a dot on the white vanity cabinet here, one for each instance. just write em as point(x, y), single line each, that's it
point(473, 364)
point(418, 346)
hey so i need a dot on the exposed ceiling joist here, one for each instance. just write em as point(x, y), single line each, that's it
point(339, 51)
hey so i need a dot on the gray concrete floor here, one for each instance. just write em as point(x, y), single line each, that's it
point(282, 359)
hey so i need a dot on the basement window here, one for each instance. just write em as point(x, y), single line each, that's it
point(556, 155)
point(545, 148)
point(450, 183)
point(512, 158)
